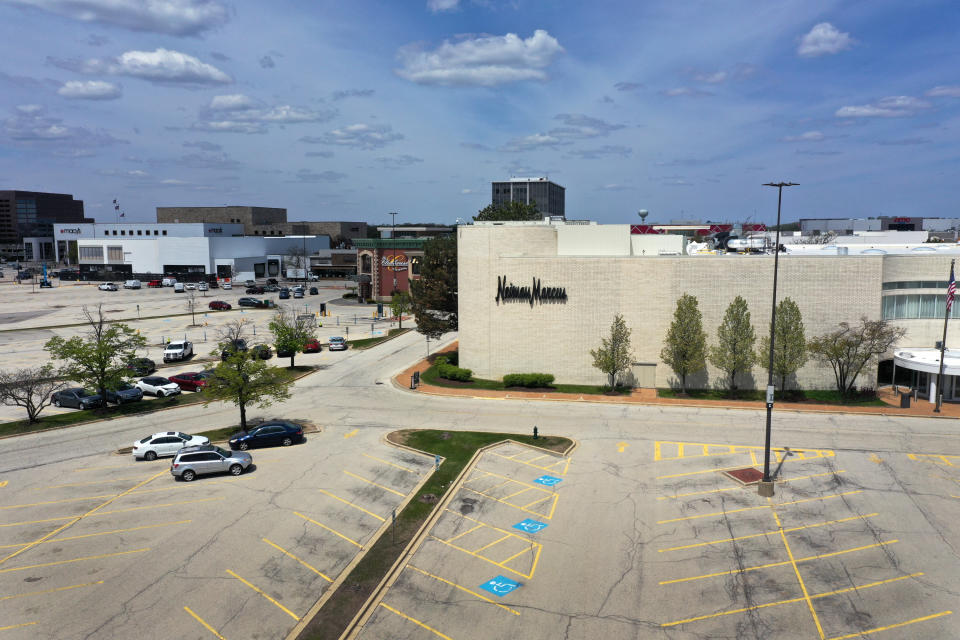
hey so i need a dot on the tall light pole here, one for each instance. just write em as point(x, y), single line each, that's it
point(765, 488)
point(393, 241)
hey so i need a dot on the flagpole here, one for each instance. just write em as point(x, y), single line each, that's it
point(943, 343)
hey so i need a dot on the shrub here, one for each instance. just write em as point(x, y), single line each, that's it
point(350, 295)
point(450, 372)
point(530, 380)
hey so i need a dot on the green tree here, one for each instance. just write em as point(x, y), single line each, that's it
point(400, 303)
point(850, 348)
point(99, 358)
point(614, 355)
point(686, 342)
point(733, 353)
point(508, 211)
point(435, 292)
point(292, 331)
point(242, 378)
point(789, 346)
point(31, 388)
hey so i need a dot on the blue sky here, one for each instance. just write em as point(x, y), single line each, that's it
point(349, 110)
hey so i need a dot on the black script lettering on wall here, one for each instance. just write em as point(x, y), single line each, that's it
point(509, 292)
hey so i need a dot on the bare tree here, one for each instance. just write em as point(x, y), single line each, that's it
point(851, 348)
point(191, 305)
point(31, 388)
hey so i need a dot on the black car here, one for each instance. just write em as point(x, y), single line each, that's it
point(255, 291)
point(248, 302)
point(77, 398)
point(271, 288)
point(313, 291)
point(268, 434)
point(141, 367)
point(272, 281)
point(263, 352)
point(125, 392)
point(234, 346)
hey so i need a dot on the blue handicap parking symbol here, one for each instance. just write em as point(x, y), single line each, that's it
point(499, 586)
point(547, 481)
point(530, 526)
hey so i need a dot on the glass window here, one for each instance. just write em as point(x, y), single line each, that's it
point(164, 232)
point(139, 232)
point(911, 307)
point(928, 306)
point(122, 232)
point(106, 233)
point(114, 232)
point(155, 232)
point(889, 307)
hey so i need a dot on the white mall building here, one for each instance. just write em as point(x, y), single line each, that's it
point(588, 273)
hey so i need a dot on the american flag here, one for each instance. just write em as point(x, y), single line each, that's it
point(951, 289)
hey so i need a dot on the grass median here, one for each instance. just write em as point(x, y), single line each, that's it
point(366, 343)
point(800, 396)
point(457, 448)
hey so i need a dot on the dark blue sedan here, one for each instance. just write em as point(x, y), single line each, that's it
point(268, 434)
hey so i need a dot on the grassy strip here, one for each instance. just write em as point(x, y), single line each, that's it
point(81, 416)
point(430, 376)
point(798, 396)
point(457, 447)
point(366, 343)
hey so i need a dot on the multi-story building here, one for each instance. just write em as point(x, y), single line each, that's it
point(264, 221)
point(548, 196)
point(32, 214)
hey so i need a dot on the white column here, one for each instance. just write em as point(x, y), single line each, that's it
point(933, 389)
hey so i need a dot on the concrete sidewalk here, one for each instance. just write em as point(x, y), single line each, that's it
point(921, 408)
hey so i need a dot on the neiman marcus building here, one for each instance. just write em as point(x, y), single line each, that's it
point(537, 297)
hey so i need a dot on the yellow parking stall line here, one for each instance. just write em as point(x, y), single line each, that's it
point(542, 455)
point(293, 557)
point(104, 513)
point(394, 491)
point(262, 593)
point(695, 473)
point(517, 555)
point(524, 490)
point(468, 552)
point(350, 504)
point(17, 626)
point(893, 626)
point(700, 493)
point(415, 621)
point(460, 535)
point(40, 593)
point(765, 533)
point(99, 533)
point(793, 563)
point(525, 484)
point(499, 484)
point(3, 483)
point(333, 531)
point(204, 623)
point(656, 451)
point(401, 467)
point(487, 546)
point(761, 506)
point(566, 467)
point(72, 560)
point(83, 484)
point(789, 601)
point(115, 466)
point(462, 588)
point(753, 458)
point(39, 504)
point(535, 466)
point(780, 564)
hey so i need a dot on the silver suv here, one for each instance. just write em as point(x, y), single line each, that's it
point(191, 462)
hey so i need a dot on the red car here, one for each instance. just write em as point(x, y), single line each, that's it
point(155, 284)
point(192, 381)
point(220, 305)
point(312, 346)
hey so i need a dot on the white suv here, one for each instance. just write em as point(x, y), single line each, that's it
point(178, 351)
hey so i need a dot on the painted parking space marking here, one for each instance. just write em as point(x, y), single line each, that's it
point(893, 626)
point(82, 498)
point(559, 467)
point(99, 533)
point(500, 586)
point(462, 588)
point(265, 595)
point(351, 434)
point(528, 547)
point(935, 458)
point(83, 484)
point(46, 591)
point(668, 450)
point(415, 621)
point(376, 484)
point(106, 513)
point(741, 488)
point(3, 483)
point(548, 481)
point(333, 531)
point(72, 560)
point(761, 506)
point(392, 464)
point(539, 494)
point(17, 626)
point(302, 562)
point(204, 623)
point(530, 526)
point(350, 504)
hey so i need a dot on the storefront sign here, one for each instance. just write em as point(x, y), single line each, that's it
point(215, 230)
point(69, 230)
point(508, 292)
point(396, 262)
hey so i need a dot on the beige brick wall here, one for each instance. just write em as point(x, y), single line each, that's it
point(557, 338)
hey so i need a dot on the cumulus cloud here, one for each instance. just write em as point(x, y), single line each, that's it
point(823, 39)
point(605, 151)
point(228, 126)
point(677, 92)
point(173, 17)
point(239, 113)
point(360, 136)
point(306, 175)
point(807, 136)
point(613, 187)
point(397, 162)
point(90, 90)
point(889, 107)
point(162, 66)
point(353, 93)
point(30, 124)
point(437, 6)
point(267, 62)
point(208, 161)
point(484, 61)
point(944, 91)
point(232, 102)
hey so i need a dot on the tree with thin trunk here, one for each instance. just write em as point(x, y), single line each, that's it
point(789, 345)
point(31, 388)
point(614, 355)
point(434, 293)
point(400, 304)
point(99, 358)
point(733, 354)
point(685, 348)
point(192, 306)
point(242, 378)
point(292, 331)
point(851, 348)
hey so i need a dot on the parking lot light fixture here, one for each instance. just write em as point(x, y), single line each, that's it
point(765, 487)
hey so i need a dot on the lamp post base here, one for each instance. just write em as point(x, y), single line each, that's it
point(765, 489)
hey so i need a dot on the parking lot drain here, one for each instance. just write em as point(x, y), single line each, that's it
point(745, 476)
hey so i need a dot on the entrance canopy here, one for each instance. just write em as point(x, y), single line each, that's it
point(928, 360)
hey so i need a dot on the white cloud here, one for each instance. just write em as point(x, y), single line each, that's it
point(90, 90)
point(361, 136)
point(229, 126)
point(174, 17)
point(528, 143)
point(823, 39)
point(484, 61)
point(944, 91)
point(685, 91)
point(442, 5)
point(889, 107)
point(238, 113)
point(161, 66)
point(717, 77)
point(398, 162)
point(605, 151)
point(31, 125)
point(232, 102)
point(580, 126)
point(808, 136)
point(467, 192)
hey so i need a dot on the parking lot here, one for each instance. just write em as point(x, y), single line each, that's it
point(112, 548)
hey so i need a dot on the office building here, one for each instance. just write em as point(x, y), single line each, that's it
point(548, 196)
point(32, 214)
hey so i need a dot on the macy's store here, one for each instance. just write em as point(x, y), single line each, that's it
point(385, 265)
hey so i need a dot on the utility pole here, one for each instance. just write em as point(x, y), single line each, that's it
point(393, 241)
point(765, 487)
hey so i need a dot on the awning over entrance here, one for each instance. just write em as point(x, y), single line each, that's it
point(928, 360)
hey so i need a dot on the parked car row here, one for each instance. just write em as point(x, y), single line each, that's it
point(178, 287)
